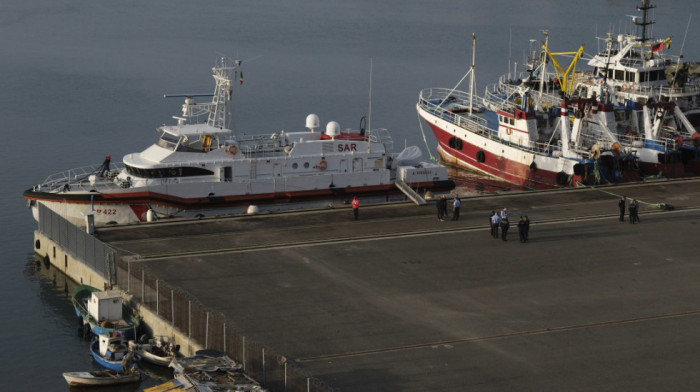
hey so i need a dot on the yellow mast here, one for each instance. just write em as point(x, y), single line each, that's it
point(566, 83)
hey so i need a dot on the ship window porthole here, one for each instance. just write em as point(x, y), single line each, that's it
point(294, 165)
point(306, 165)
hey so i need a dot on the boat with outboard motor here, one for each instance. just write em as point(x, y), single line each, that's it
point(112, 352)
point(104, 312)
point(201, 168)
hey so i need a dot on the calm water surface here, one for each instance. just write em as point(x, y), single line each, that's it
point(84, 79)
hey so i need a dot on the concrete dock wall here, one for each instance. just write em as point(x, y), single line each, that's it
point(49, 250)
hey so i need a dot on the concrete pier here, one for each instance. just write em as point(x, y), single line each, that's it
point(399, 301)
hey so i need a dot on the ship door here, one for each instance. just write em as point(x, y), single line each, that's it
point(357, 165)
point(227, 173)
point(276, 171)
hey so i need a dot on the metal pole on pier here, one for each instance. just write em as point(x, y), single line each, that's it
point(471, 84)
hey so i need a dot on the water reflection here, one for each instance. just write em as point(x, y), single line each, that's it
point(471, 183)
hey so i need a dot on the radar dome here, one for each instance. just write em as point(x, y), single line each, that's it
point(332, 129)
point(312, 122)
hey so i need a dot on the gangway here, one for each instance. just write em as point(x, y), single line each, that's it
point(410, 193)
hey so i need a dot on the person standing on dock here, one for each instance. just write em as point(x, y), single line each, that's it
point(495, 219)
point(438, 204)
point(504, 214)
point(521, 228)
point(634, 211)
point(504, 228)
point(356, 207)
point(443, 206)
point(455, 208)
point(527, 228)
point(621, 204)
point(491, 221)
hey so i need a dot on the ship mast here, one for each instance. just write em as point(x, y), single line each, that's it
point(222, 94)
point(646, 6)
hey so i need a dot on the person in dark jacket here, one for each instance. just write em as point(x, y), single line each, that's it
point(527, 228)
point(621, 204)
point(521, 228)
point(443, 207)
point(504, 229)
point(491, 222)
point(634, 211)
point(438, 205)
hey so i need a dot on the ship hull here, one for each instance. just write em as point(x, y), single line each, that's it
point(129, 207)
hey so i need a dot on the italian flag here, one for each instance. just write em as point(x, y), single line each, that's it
point(241, 78)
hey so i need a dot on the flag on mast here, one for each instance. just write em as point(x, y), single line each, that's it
point(241, 78)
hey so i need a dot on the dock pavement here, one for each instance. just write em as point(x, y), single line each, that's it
point(400, 301)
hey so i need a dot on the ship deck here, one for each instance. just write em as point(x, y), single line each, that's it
point(399, 301)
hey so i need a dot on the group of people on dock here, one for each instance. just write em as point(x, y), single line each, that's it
point(500, 219)
point(441, 205)
point(633, 210)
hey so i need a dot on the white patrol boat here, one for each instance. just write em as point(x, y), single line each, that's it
point(201, 168)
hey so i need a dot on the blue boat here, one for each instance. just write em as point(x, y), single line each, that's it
point(104, 312)
point(112, 352)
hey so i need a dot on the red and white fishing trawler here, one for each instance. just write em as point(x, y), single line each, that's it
point(202, 168)
point(508, 139)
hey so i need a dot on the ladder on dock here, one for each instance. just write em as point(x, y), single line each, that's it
point(415, 197)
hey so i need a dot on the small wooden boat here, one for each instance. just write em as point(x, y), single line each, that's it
point(100, 378)
point(104, 311)
point(112, 352)
point(156, 351)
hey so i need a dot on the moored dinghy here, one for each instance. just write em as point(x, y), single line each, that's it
point(156, 351)
point(100, 378)
point(112, 352)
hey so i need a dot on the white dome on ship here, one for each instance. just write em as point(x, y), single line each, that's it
point(312, 122)
point(332, 129)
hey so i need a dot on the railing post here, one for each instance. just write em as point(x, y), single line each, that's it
point(206, 334)
point(189, 319)
point(128, 276)
point(157, 298)
point(143, 286)
point(172, 307)
point(243, 352)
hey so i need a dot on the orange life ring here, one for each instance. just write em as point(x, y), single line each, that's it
point(233, 149)
point(509, 131)
point(323, 165)
point(631, 88)
point(624, 87)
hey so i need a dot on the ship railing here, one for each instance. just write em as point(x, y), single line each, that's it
point(382, 135)
point(429, 100)
point(548, 98)
point(80, 178)
point(479, 126)
point(473, 123)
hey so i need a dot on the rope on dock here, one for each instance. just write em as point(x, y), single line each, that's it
point(662, 206)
